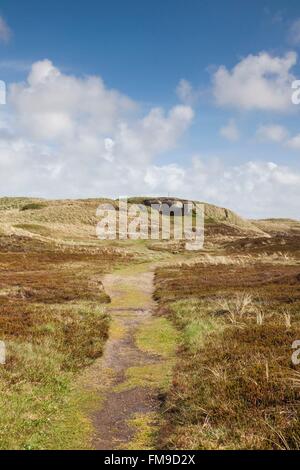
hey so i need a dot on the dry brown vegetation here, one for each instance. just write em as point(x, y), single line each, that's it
point(234, 384)
point(53, 323)
point(236, 306)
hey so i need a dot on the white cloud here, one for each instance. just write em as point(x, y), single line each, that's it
point(109, 145)
point(170, 177)
point(74, 137)
point(186, 92)
point(71, 137)
point(273, 133)
point(260, 82)
point(294, 33)
point(64, 109)
point(294, 142)
point(52, 105)
point(280, 135)
point(254, 189)
point(5, 31)
point(230, 131)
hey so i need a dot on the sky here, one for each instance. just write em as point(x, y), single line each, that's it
point(189, 98)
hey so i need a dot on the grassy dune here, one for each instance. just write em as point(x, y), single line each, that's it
point(234, 307)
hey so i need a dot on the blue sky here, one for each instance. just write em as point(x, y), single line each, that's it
point(143, 48)
point(184, 102)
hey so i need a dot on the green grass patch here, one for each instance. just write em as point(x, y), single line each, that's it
point(40, 409)
point(195, 322)
point(151, 375)
point(158, 336)
point(146, 428)
point(116, 331)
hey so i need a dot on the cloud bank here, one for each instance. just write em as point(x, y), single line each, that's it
point(272, 132)
point(79, 135)
point(67, 136)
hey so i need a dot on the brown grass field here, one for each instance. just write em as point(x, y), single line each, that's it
point(53, 322)
point(235, 386)
point(235, 305)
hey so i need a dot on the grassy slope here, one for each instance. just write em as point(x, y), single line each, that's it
point(278, 226)
point(213, 214)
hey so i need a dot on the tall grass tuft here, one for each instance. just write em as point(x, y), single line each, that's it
point(237, 306)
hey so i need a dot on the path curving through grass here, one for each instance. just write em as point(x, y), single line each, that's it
point(136, 366)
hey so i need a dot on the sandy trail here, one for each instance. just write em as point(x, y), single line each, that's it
point(131, 307)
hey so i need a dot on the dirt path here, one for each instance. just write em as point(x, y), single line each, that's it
point(128, 372)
